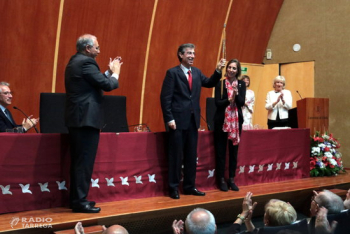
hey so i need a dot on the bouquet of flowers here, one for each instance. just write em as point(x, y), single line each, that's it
point(325, 159)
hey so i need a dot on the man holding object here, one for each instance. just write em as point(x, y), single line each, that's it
point(84, 115)
point(181, 111)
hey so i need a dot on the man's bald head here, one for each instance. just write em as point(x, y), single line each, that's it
point(200, 221)
point(115, 229)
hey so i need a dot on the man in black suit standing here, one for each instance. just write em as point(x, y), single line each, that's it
point(6, 119)
point(84, 115)
point(180, 97)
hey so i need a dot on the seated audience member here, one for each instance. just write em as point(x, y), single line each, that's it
point(115, 229)
point(347, 200)
point(277, 213)
point(6, 120)
point(198, 221)
point(331, 201)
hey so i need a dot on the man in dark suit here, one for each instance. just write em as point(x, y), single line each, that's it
point(84, 115)
point(181, 111)
point(6, 120)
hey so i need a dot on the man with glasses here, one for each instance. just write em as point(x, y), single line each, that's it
point(84, 85)
point(6, 120)
point(331, 201)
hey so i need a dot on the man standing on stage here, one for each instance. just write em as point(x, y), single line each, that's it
point(84, 115)
point(180, 104)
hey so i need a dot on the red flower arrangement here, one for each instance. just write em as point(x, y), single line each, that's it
point(325, 159)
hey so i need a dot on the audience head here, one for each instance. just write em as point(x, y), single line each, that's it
point(115, 229)
point(237, 65)
point(5, 94)
point(87, 44)
point(279, 83)
point(246, 80)
point(279, 213)
point(182, 48)
point(331, 201)
point(200, 221)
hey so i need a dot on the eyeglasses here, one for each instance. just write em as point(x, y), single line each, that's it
point(313, 200)
point(6, 93)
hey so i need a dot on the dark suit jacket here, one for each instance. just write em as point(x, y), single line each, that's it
point(178, 101)
point(222, 102)
point(5, 123)
point(84, 92)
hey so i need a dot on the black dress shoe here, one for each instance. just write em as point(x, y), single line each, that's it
point(174, 194)
point(194, 192)
point(86, 209)
point(222, 185)
point(91, 203)
point(232, 184)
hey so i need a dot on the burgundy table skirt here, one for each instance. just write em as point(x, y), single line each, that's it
point(34, 168)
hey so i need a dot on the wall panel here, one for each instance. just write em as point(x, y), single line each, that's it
point(28, 30)
point(122, 29)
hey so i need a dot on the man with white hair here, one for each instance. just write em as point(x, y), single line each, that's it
point(198, 221)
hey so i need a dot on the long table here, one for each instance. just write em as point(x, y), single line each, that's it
point(34, 168)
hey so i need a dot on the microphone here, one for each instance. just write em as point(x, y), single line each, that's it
point(299, 94)
point(209, 128)
point(27, 118)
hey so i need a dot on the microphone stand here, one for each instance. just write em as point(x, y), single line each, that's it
point(27, 118)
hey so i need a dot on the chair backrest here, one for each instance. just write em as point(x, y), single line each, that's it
point(51, 113)
point(210, 112)
point(115, 114)
point(52, 107)
point(297, 227)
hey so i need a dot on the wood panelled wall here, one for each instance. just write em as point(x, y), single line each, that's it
point(39, 38)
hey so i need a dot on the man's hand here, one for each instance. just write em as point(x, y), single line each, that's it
point(322, 225)
point(172, 125)
point(221, 64)
point(178, 227)
point(115, 64)
point(29, 122)
point(79, 228)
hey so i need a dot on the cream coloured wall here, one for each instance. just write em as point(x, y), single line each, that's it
point(322, 29)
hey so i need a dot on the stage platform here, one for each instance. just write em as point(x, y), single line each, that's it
point(156, 214)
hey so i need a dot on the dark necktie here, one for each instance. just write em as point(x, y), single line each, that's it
point(190, 79)
point(8, 115)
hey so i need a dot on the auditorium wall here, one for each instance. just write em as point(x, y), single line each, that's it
point(321, 27)
point(39, 36)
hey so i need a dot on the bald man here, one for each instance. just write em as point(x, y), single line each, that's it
point(115, 229)
point(200, 221)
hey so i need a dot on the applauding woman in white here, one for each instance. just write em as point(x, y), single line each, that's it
point(278, 102)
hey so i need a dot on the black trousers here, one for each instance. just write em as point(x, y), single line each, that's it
point(83, 147)
point(220, 143)
point(183, 150)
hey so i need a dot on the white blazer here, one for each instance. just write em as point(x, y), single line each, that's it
point(279, 107)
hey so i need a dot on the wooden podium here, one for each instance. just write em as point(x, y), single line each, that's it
point(313, 113)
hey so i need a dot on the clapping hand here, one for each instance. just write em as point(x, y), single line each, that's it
point(115, 64)
point(322, 224)
point(178, 227)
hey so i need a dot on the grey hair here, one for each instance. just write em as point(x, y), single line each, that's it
point(3, 83)
point(182, 48)
point(207, 226)
point(84, 40)
point(331, 201)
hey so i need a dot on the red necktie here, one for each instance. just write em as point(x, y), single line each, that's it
point(190, 79)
